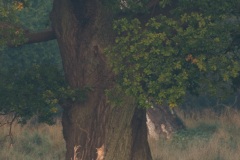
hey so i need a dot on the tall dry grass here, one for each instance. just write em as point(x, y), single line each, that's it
point(209, 136)
point(39, 142)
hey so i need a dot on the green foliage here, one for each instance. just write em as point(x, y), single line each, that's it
point(31, 77)
point(35, 16)
point(34, 84)
point(160, 59)
point(9, 29)
point(166, 57)
point(26, 72)
point(213, 8)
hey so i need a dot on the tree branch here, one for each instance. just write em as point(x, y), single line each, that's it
point(42, 36)
point(31, 37)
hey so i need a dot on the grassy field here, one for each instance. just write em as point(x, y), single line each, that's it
point(209, 137)
point(38, 142)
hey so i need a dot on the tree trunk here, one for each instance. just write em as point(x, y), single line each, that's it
point(162, 122)
point(83, 30)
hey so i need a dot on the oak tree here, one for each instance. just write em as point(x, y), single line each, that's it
point(123, 55)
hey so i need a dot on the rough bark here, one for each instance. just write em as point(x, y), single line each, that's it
point(83, 30)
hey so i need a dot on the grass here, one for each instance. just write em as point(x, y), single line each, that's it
point(32, 142)
point(209, 137)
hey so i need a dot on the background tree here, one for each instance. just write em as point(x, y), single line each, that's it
point(28, 73)
point(157, 52)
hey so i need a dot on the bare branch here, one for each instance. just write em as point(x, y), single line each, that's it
point(10, 130)
point(10, 123)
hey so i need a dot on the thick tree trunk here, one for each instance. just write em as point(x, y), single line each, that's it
point(83, 30)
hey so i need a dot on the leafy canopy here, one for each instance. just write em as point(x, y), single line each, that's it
point(175, 52)
point(159, 54)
